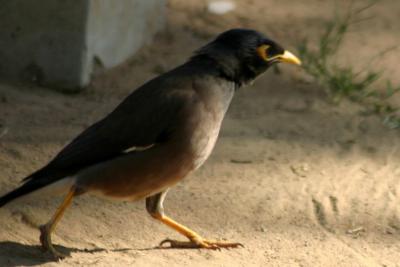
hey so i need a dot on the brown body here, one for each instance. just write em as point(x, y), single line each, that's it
point(144, 172)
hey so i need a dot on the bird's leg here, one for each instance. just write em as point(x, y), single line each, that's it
point(154, 206)
point(48, 228)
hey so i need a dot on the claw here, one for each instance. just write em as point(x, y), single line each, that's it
point(197, 243)
point(45, 240)
point(165, 241)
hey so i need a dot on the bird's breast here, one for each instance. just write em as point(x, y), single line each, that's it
point(206, 128)
point(203, 144)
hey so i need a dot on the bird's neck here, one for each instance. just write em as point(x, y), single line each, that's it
point(227, 67)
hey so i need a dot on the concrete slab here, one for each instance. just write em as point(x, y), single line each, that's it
point(54, 42)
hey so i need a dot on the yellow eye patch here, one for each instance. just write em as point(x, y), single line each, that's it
point(262, 51)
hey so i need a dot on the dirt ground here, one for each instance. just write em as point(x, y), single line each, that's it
point(299, 181)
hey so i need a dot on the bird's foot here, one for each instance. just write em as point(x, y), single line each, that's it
point(45, 240)
point(198, 242)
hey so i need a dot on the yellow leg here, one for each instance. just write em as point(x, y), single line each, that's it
point(154, 205)
point(48, 228)
point(196, 241)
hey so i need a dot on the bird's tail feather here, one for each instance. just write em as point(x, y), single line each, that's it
point(24, 189)
point(35, 181)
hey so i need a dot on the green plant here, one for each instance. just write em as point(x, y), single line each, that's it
point(340, 81)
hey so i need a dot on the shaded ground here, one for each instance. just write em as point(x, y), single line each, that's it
point(299, 181)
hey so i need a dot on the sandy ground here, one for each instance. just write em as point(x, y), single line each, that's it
point(297, 180)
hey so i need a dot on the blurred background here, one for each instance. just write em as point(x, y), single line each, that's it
point(305, 172)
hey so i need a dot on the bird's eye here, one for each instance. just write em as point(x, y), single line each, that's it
point(262, 51)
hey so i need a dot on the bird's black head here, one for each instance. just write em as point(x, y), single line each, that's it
point(241, 54)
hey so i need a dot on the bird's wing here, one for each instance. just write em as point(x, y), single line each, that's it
point(144, 118)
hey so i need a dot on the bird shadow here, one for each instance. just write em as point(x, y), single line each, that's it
point(17, 254)
point(14, 254)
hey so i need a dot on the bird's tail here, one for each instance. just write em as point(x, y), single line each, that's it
point(24, 189)
point(37, 180)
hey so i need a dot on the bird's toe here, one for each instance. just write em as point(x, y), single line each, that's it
point(45, 240)
point(198, 243)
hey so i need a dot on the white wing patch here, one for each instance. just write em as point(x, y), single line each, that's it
point(137, 148)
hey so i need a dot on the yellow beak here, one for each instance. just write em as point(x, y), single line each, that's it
point(288, 57)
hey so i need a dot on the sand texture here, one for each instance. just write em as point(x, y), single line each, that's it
point(296, 179)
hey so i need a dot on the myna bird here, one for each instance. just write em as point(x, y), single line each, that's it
point(158, 135)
